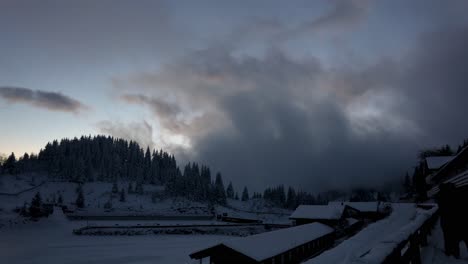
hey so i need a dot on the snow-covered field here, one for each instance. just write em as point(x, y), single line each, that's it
point(51, 241)
point(15, 191)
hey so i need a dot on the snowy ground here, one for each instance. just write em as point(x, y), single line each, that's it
point(51, 241)
point(434, 252)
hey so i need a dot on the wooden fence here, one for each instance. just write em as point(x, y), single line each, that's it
point(408, 251)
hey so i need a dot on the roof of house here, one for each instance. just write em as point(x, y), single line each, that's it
point(266, 245)
point(459, 180)
point(450, 165)
point(329, 212)
point(437, 162)
point(360, 206)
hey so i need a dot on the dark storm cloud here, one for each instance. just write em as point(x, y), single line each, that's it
point(276, 119)
point(48, 100)
point(140, 132)
point(436, 81)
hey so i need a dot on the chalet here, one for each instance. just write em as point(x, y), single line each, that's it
point(431, 165)
point(454, 171)
point(288, 245)
point(363, 210)
point(331, 215)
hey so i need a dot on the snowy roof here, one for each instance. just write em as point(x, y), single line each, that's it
point(434, 163)
point(265, 245)
point(333, 211)
point(360, 206)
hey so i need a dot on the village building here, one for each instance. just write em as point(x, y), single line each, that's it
point(432, 164)
point(332, 215)
point(454, 171)
point(288, 245)
point(363, 210)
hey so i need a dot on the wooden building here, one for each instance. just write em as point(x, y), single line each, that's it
point(433, 164)
point(363, 210)
point(288, 245)
point(332, 215)
point(455, 171)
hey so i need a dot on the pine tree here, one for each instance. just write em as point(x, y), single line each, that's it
point(122, 195)
point(230, 191)
point(130, 187)
point(237, 196)
point(36, 205)
point(80, 201)
point(10, 165)
point(115, 188)
point(245, 194)
point(291, 202)
point(60, 199)
point(220, 195)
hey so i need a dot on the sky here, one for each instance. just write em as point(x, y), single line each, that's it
point(314, 94)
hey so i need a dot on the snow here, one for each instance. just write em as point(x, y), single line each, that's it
point(434, 163)
point(434, 252)
point(377, 240)
point(332, 211)
point(51, 241)
point(265, 245)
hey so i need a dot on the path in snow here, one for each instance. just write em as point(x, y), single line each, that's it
point(434, 252)
point(51, 241)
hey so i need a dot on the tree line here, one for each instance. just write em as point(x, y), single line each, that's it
point(108, 159)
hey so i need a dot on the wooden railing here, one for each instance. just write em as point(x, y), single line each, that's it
point(408, 250)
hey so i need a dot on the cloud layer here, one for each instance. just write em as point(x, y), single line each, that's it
point(275, 119)
point(140, 132)
point(47, 100)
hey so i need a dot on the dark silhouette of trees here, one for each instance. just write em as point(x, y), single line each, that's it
point(10, 165)
point(245, 194)
point(220, 193)
point(122, 195)
point(230, 191)
point(35, 209)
